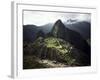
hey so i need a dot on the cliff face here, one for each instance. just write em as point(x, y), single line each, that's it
point(59, 30)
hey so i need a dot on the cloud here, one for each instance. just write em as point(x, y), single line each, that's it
point(41, 18)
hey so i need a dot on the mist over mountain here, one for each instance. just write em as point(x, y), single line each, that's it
point(46, 28)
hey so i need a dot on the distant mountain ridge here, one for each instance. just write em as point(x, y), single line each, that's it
point(84, 28)
point(81, 27)
point(30, 31)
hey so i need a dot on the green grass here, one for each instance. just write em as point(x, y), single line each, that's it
point(52, 42)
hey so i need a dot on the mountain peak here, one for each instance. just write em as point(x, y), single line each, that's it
point(58, 29)
point(58, 22)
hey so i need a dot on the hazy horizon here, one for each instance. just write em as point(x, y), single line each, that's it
point(42, 18)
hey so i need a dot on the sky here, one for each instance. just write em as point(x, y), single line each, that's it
point(40, 18)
